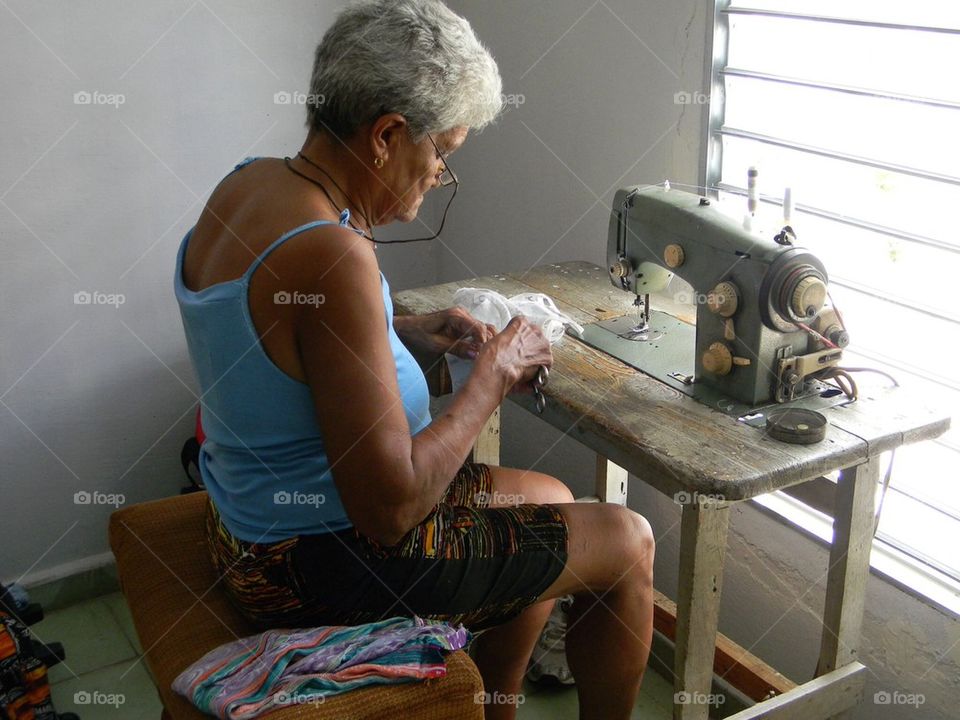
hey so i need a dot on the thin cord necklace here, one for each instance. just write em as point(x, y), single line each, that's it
point(286, 161)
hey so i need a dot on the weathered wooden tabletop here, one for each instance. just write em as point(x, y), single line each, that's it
point(668, 439)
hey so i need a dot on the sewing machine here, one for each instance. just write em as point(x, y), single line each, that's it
point(765, 332)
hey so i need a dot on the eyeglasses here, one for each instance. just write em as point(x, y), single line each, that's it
point(446, 178)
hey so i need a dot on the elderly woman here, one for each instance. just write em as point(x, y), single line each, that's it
point(335, 497)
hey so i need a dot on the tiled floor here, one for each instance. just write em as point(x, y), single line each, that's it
point(554, 703)
point(103, 678)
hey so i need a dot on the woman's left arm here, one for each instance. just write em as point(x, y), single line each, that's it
point(453, 330)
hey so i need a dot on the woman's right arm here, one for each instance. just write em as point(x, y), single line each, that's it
point(511, 357)
point(387, 480)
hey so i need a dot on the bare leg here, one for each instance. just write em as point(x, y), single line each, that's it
point(608, 640)
point(608, 644)
point(502, 654)
point(610, 556)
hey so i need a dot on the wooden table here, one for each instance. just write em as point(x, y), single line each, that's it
point(639, 425)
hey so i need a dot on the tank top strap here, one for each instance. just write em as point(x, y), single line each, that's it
point(343, 220)
point(280, 241)
point(243, 163)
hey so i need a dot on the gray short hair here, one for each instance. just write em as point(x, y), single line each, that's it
point(413, 57)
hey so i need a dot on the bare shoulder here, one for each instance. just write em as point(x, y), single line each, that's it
point(261, 203)
point(324, 256)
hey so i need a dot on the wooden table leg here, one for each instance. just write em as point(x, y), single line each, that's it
point(611, 481)
point(853, 520)
point(487, 447)
point(703, 545)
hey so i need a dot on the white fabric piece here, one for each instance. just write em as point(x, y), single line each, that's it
point(491, 307)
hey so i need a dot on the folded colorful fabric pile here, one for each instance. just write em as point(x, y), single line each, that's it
point(250, 676)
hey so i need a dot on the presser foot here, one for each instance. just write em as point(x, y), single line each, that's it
point(641, 333)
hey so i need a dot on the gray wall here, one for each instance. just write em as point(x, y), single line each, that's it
point(597, 82)
point(599, 113)
point(96, 197)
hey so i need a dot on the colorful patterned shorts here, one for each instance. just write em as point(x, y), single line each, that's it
point(464, 563)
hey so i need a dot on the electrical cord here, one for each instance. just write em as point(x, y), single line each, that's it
point(887, 375)
point(842, 378)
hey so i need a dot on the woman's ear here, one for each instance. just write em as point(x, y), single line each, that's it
point(387, 134)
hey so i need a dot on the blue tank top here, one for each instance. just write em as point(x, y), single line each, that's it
point(263, 461)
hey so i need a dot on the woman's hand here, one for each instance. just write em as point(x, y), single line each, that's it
point(517, 353)
point(453, 330)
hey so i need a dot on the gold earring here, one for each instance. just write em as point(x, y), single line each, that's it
point(378, 161)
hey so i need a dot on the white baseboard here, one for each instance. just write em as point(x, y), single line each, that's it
point(66, 570)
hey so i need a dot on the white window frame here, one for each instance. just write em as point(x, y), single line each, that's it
point(809, 508)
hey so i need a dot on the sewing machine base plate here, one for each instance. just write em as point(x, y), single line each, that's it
point(670, 353)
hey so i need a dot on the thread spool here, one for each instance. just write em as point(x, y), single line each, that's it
point(787, 206)
point(752, 196)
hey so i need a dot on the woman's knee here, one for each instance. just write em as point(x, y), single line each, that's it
point(644, 544)
point(633, 538)
point(555, 491)
point(607, 545)
point(517, 487)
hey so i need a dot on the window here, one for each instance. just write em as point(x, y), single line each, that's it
point(855, 107)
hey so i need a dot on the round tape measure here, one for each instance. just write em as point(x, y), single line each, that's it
point(796, 425)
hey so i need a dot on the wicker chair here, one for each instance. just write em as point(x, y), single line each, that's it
point(180, 613)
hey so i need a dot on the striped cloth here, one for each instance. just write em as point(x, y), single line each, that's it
point(248, 677)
